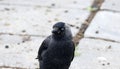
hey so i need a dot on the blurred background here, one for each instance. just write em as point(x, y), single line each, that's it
point(24, 24)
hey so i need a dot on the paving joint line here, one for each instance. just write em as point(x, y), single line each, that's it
point(96, 4)
point(12, 67)
point(41, 6)
point(22, 34)
point(110, 10)
point(110, 40)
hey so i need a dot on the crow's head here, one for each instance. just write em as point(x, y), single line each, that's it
point(60, 29)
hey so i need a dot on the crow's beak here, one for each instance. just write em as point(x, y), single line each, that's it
point(55, 30)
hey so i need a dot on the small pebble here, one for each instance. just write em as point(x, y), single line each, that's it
point(7, 46)
point(103, 64)
point(49, 21)
point(74, 2)
point(53, 4)
point(23, 41)
point(108, 63)
point(7, 9)
point(98, 49)
point(23, 31)
point(11, 34)
point(18, 43)
point(77, 27)
point(66, 11)
point(97, 32)
point(109, 47)
point(113, 4)
point(77, 18)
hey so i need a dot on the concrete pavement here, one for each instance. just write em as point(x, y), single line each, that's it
point(24, 24)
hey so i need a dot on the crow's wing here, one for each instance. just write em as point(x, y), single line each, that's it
point(43, 47)
point(73, 45)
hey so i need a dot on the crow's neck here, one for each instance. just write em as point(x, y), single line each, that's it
point(61, 37)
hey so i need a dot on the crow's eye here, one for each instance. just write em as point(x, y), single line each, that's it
point(62, 29)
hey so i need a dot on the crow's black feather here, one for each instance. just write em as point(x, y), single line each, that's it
point(57, 50)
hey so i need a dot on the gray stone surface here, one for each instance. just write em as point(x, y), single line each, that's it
point(20, 54)
point(96, 54)
point(38, 21)
point(51, 3)
point(111, 5)
point(105, 25)
point(24, 24)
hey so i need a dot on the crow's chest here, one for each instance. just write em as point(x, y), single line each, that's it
point(58, 45)
point(59, 48)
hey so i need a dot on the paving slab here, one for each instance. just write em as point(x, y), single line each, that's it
point(105, 25)
point(20, 54)
point(24, 24)
point(97, 54)
point(51, 3)
point(111, 5)
point(38, 20)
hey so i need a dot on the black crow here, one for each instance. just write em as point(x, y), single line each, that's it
point(57, 50)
